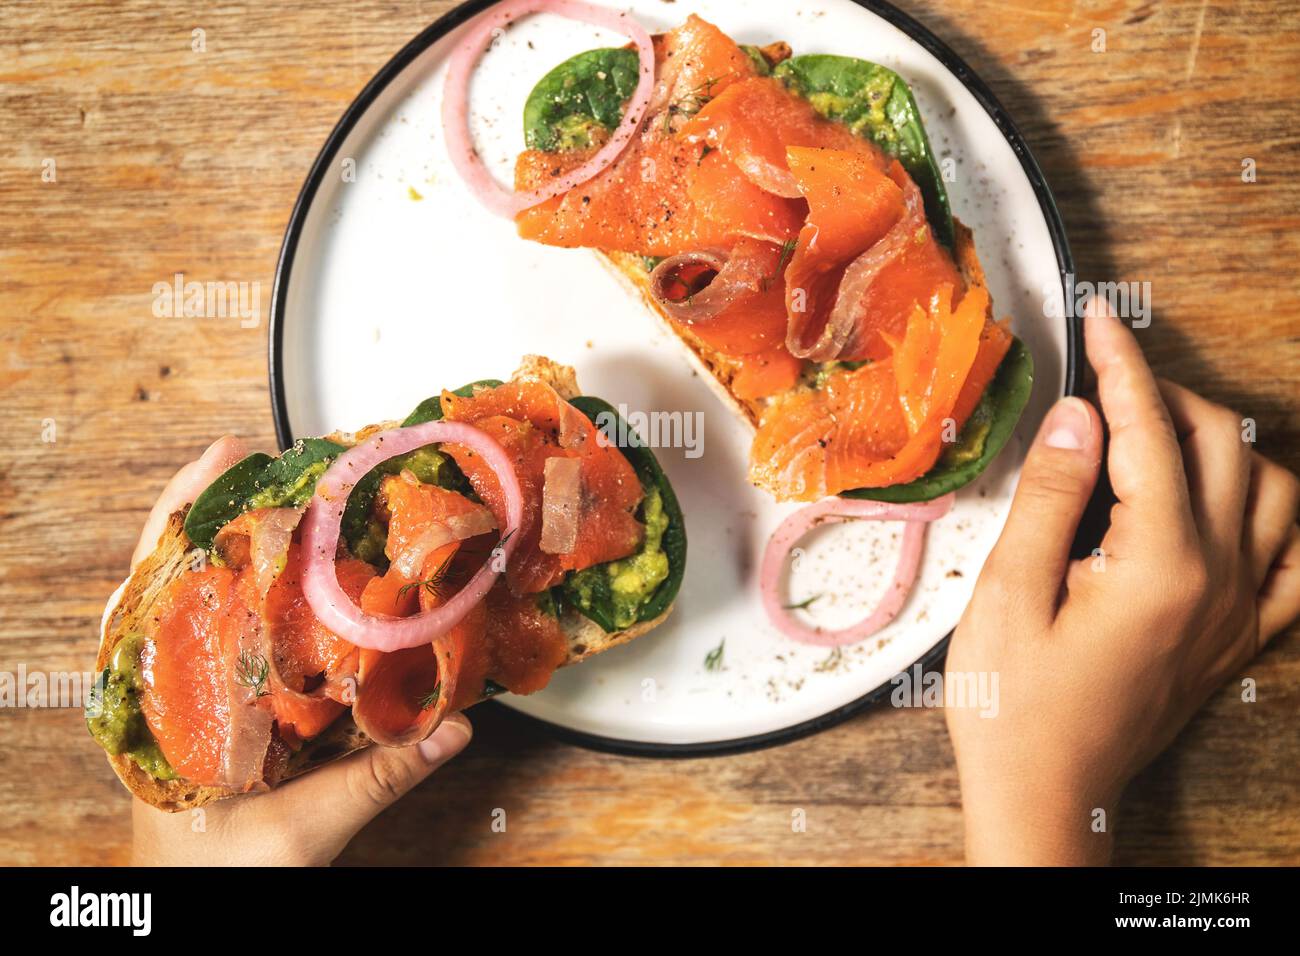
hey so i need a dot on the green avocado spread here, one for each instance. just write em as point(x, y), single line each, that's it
point(291, 494)
point(863, 111)
point(816, 376)
point(970, 443)
point(623, 586)
point(429, 466)
point(114, 716)
point(576, 131)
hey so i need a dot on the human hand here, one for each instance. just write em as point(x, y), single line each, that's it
point(1101, 662)
point(304, 822)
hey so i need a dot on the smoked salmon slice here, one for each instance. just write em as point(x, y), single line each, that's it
point(505, 638)
point(810, 442)
point(935, 357)
point(766, 373)
point(308, 658)
point(995, 342)
point(533, 423)
point(307, 654)
point(753, 122)
point(733, 302)
point(662, 196)
point(398, 691)
point(526, 644)
point(194, 639)
point(694, 62)
point(852, 203)
point(883, 423)
point(728, 206)
point(865, 258)
point(413, 508)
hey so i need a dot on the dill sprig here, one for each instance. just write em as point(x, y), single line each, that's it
point(431, 698)
point(787, 253)
point(435, 584)
point(690, 102)
point(252, 671)
point(713, 660)
point(802, 605)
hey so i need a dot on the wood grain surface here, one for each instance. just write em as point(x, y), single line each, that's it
point(167, 160)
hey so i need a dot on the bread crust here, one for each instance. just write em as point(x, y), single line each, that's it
point(173, 556)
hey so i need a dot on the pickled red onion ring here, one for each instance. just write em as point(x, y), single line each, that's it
point(792, 529)
point(322, 524)
point(455, 101)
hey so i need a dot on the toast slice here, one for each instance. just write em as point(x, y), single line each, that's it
point(172, 557)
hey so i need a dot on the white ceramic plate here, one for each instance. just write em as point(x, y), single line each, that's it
point(394, 283)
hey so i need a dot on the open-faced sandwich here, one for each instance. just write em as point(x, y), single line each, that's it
point(359, 588)
point(786, 217)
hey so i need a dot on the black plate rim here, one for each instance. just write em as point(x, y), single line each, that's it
point(453, 19)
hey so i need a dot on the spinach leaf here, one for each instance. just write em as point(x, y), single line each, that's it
point(590, 594)
point(981, 438)
point(290, 480)
point(259, 481)
point(581, 95)
point(875, 103)
point(429, 410)
point(223, 500)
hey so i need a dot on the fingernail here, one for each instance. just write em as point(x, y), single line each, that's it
point(448, 740)
point(1097, 307)
point(1068, 425)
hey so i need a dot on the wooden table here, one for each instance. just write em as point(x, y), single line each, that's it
point(167, 160)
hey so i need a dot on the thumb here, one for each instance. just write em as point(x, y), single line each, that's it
point(1056, 482)
point(186, 485)
point(335, 801)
